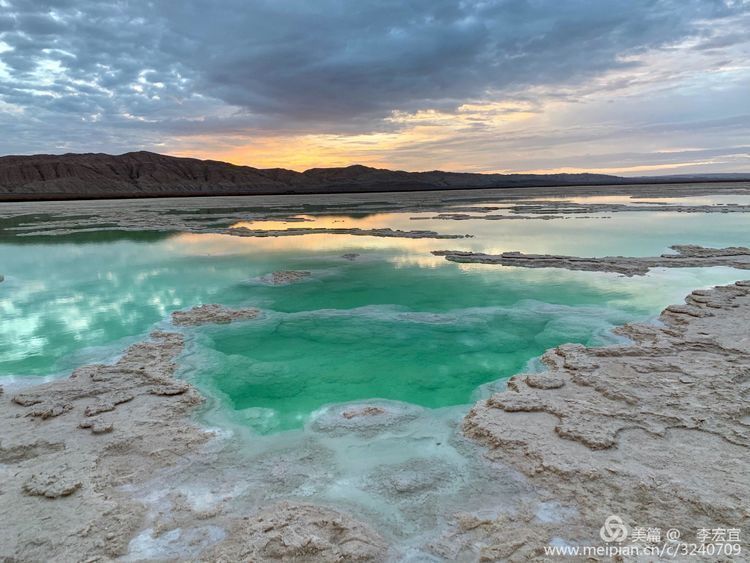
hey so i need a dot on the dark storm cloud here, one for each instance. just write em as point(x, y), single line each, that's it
point(6, 23)
point(336, 60)
point(198, 66)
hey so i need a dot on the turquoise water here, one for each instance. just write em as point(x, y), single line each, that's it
point(396, 324)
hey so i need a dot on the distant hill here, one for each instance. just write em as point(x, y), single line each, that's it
point(146, 174)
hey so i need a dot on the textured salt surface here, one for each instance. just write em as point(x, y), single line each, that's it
point(685, 256)
point(217, 214)
point(598, 434)
point(652, 431)
point(111, 463)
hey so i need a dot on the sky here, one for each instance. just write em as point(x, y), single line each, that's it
point(631, 87)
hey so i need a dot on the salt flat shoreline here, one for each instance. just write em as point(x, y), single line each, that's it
point(656, 431)
point(684, 256)
point(217, 214)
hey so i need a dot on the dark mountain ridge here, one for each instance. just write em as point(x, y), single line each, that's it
point(147, 174)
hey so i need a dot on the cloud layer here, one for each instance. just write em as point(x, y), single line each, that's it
point(387, 82)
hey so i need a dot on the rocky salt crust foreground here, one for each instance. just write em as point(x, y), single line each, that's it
point(656, 431)
point(73, 448)
point(67, 447)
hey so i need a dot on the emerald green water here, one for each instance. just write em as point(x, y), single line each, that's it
point(277, 371)
point(397, 323)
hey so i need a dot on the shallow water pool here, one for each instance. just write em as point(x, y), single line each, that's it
point(394, 322)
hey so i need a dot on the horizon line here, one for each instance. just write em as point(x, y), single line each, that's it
point(609, 171)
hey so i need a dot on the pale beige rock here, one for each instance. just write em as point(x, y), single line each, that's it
point(97, 426)
point(686, 256)
point(651, 431)
point(284, 277)
point(546, 208)
point(362, 411)
point(467, 217)
point(517, 537)
point(52, 484)
point(62, 468)
point(299, 532)
point(385, 232)
point(212, 314)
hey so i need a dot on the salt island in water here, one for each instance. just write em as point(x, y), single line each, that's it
point(438, 376)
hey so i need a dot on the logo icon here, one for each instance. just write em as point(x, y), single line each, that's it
point(614, 529)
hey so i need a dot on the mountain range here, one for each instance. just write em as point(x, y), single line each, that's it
point(147, 174)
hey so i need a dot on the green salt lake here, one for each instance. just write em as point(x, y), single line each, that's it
point(396, 323)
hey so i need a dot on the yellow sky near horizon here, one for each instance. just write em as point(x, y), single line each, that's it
point(604, 126)
point(460, 141)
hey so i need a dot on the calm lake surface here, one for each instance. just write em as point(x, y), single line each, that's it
point(396, 323)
